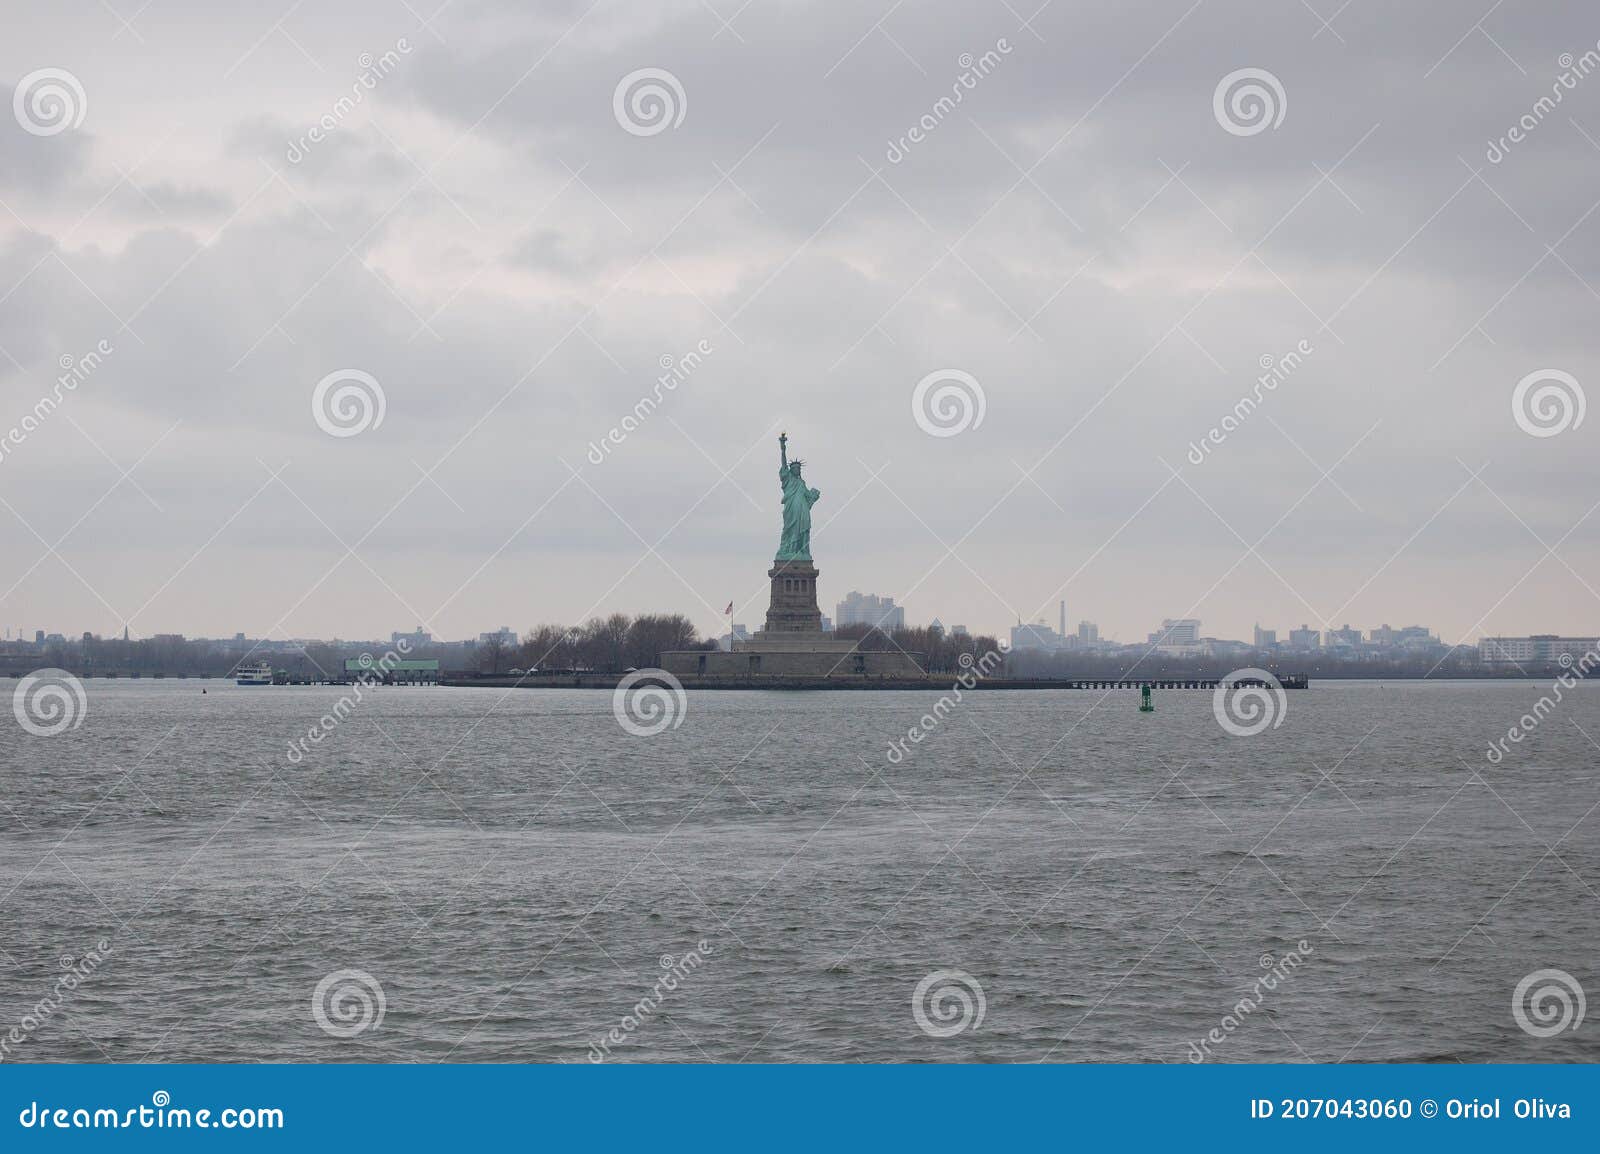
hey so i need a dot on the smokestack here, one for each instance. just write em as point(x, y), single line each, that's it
point(1063, 618)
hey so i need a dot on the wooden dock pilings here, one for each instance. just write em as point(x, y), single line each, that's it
point(1292, 681)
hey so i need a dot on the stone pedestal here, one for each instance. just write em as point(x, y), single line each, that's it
point(793, 608)
point(792, 652)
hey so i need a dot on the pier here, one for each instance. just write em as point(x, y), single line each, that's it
point(935, 681)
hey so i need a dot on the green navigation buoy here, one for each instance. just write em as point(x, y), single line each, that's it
point(1144, 700)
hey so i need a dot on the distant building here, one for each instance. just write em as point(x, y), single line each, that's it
point(1505, 650)
point(1305, 638)
point(827, 624)
point(1177, 632)
point(418, 636)
point(1541, 647)
point(1265, 638)
point(503, 635)
point(1178, 637)
point(265, 645)
point(959, 631)
point(1088, 632)
point(38, 636)
point(1410, 637)
point(1346, 637)
point(870, 609)
point(739, 633)
point(1037, 636)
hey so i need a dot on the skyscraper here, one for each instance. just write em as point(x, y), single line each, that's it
point(1305, 637)
point(869, 609)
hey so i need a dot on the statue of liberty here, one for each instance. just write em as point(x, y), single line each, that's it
point(797, 501)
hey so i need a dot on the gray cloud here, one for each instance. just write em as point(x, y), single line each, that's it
point(1080, 234)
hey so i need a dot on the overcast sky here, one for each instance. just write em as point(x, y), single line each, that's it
point(1101, 240)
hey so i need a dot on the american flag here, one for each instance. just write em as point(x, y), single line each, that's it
point(729, 610)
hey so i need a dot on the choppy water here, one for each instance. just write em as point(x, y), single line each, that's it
point(512, 867)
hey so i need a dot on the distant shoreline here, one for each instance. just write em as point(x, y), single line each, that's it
point(594, 680)
point(1168, 682)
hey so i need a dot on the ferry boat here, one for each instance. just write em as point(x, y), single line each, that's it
point(257, 674)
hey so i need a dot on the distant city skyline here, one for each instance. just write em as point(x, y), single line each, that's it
point(1174, 636)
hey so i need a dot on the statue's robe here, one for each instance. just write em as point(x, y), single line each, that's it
point(797, 502)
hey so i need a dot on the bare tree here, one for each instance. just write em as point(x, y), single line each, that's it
point(492, 654)
point(940, 652)
point(654, 634)
point(602, 642)
point(547, 647)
